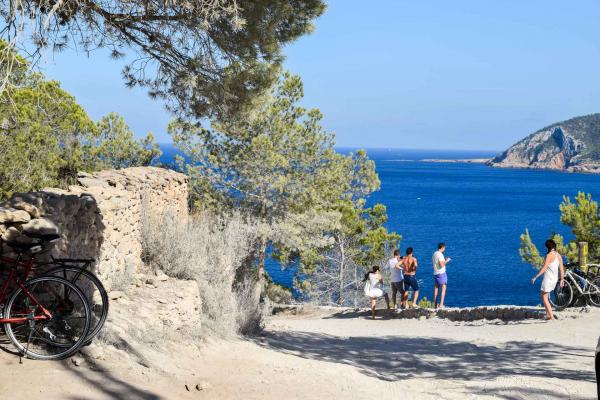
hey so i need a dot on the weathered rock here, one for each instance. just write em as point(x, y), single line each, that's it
point(32, 210)
point(77, 360)
point(161, 276)
point(11, 234)
point(13, 216)
point(41, 226)
point(568, 146)
point(115, 294)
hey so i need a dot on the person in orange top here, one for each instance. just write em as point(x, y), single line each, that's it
point(410, 265)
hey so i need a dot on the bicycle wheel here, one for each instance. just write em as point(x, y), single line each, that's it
point(54, 338)
point(594, 296)
point(93, 290)
point(561, 298)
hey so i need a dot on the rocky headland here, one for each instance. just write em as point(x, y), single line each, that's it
point(572, 145)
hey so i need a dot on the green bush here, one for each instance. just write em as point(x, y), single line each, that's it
point(46, 137)
point(424, 303)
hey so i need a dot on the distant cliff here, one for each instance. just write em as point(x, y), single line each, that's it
point(572, 145)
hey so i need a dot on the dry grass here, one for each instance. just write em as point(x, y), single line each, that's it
point(211, 250)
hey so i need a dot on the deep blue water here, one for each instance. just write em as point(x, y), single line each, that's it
point(478, 211)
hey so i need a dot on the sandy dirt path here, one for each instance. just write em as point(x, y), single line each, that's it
point(323, 355)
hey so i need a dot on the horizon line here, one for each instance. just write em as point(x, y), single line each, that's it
point(391, 148)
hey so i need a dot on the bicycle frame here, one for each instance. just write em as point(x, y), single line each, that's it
point(14, 278)
point(576, 278)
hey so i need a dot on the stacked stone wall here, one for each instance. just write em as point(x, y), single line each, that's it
point(100, 217)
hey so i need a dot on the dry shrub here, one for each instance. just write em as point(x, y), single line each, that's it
point(251, 311)
point(210, 249)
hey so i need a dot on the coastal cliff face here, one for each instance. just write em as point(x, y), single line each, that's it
point(572, 145)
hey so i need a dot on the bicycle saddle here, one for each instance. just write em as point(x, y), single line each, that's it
point(35, 246)
point(25, 247)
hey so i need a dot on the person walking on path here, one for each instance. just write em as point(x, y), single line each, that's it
point(410, 264)
point(374, 288)
point(553, 267)
point(439, 274)
point(396, 276)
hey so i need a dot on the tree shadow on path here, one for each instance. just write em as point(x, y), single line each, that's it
point(106, 382)
point(393, 358)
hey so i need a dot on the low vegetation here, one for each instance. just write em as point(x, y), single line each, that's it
point(582, 216)
point(211, 250)
point(280, 169)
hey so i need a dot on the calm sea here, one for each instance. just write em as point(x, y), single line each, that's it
point(478, 211)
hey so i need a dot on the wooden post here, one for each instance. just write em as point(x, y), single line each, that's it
point(583, 255)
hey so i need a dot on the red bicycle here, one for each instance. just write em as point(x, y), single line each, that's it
point(47, 317)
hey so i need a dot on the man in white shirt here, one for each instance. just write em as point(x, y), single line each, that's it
point(397, 278)
point(439, 274)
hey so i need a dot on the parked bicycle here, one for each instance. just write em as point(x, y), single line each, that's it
point(593, 270)
point(76, 271)
point(52, 315)
point(577, 284)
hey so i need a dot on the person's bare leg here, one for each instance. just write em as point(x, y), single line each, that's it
point(547, 306)
point(387, 300)
point(443, 296)
point(415, 298)
point(405, 298)
point(435, 295)
point(373, 304)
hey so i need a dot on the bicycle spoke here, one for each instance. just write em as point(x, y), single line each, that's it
point(93, 290)
point(52, 338)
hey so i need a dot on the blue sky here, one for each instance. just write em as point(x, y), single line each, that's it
point(410, 74)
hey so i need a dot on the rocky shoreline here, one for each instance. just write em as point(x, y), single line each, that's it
point(569, 146)
point(575, 169)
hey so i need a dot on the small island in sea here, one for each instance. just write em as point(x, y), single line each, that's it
point(461, 160)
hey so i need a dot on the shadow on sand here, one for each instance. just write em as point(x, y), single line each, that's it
point(106, 382)
point(393, 358)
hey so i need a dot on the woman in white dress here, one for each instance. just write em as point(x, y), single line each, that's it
point(553, 267)
point(374, 288)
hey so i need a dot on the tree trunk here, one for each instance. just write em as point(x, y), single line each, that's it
point(355, 289)
point(262, 256)
point(341, 272)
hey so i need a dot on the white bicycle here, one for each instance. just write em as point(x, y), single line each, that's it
point(577, 285)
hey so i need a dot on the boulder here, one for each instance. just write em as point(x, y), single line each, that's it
point(40, 226)
point(12, 234)
point(13, 216)
point(32, 210)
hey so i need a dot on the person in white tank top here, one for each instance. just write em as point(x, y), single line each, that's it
point(552, 270)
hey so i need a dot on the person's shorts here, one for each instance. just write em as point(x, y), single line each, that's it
point(410, 282)
point(398, 286)
point(440, 279)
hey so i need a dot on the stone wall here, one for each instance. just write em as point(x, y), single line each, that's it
point(99, 218)
point(469, 314)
